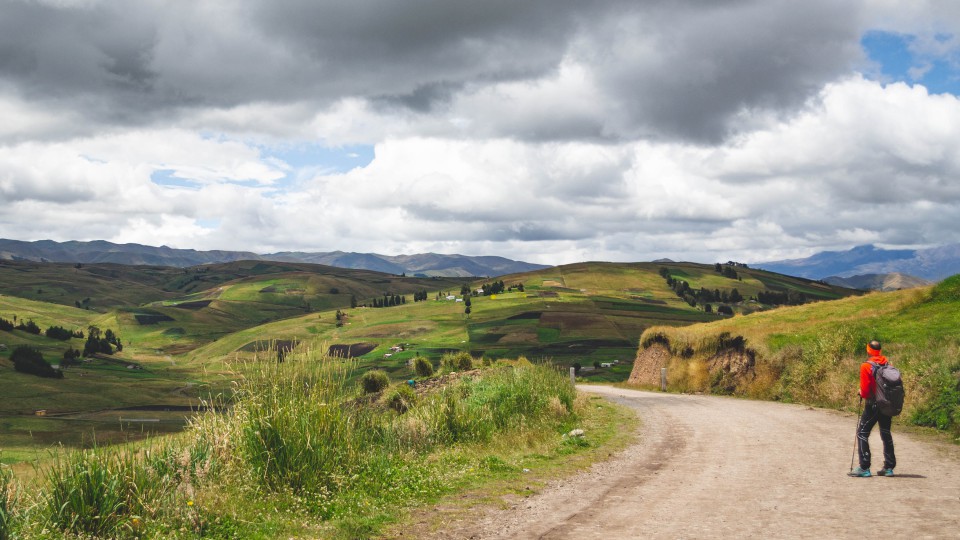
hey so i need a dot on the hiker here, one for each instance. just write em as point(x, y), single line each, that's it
point(872, 415)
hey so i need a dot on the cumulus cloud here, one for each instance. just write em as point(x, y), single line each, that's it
point(549, 131)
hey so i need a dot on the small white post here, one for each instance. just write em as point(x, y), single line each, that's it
point(663, 379)
point(573, 375)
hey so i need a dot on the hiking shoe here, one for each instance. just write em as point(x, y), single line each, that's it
point(885, 472)
point(863, 473)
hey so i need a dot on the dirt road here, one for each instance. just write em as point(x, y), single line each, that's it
point(713, 467)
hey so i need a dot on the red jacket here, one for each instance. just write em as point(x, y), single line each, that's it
point(868, 387)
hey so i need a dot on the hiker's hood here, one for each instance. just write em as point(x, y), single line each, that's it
point(875, 355)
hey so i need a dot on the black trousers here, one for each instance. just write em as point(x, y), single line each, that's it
point(870, 417)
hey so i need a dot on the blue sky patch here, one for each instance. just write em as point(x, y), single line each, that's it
point(166, 178)
point(901, 60)
point(316, 156)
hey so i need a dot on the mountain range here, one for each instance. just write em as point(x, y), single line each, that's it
point(878, 282)
point(100, 251)
point(931, 264)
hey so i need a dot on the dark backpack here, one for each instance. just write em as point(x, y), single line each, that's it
point(889, 394)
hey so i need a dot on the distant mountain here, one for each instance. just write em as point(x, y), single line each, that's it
point(932, 264)
point(878, 282)
point(99, 251)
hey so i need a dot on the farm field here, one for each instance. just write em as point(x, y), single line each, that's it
point(184, 330)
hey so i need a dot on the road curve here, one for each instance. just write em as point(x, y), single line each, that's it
point(715, 467)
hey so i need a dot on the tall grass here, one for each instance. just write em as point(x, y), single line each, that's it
point(297, 427)
point(298, 439)
point(8, 503)
point(100, 492)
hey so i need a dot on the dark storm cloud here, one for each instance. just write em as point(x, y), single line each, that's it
point(687, 71)
point(664, 69)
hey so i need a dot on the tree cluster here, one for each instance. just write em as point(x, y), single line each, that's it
point(727, 271)
point(776, 298)
point(30, 327)
point(58, 332)
point(29, 360)
point(100, 342)
point(420, 295)
point(496, 287)
point(389, 300)
point(702, 296)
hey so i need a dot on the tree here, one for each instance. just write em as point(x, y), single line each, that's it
point(353, 301)
point(70, 357)
point(735, 296)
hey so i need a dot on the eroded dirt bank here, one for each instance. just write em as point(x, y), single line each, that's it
point(714, 467)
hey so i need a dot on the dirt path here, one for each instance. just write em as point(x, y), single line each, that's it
point(712, 467)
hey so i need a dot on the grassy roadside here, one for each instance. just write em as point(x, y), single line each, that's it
point(609, 428)
point(305, 454)
point(811, 354)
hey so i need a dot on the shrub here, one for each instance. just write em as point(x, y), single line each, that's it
point(400, 397)
point(934, 384)
point(374, 381)
point(423, 367)
point(461, 361)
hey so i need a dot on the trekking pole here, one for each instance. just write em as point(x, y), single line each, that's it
point(856, 434)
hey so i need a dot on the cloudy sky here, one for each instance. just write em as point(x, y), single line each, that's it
point(549, 131)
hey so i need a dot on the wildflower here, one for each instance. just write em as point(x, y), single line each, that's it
point(189, 503)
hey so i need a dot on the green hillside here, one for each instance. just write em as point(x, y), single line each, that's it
point(182, 328)
point(810, 354)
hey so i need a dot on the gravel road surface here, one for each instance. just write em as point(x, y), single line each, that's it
point(715, 467)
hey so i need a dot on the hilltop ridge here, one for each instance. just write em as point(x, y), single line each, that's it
point(101, 251)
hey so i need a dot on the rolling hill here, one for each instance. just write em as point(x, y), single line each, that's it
point(183, 330)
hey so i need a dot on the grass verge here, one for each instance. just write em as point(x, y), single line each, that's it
point(304, 453)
